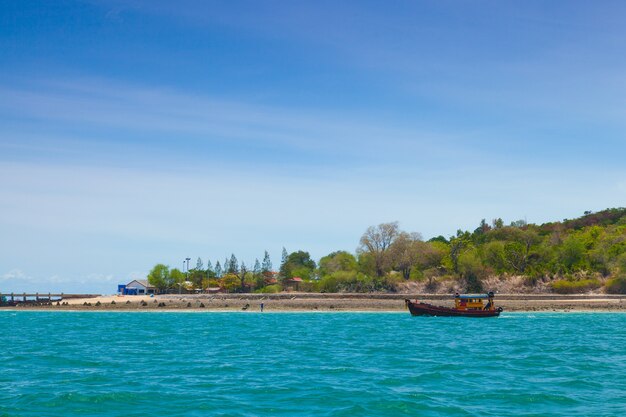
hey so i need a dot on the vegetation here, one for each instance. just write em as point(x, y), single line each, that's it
point(571, 256)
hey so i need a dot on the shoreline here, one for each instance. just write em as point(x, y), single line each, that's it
point(208, 311)
point(307, 302)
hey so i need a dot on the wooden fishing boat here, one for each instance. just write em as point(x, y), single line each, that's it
point(465, 305)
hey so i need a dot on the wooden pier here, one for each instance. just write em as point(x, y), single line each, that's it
point(36, 298)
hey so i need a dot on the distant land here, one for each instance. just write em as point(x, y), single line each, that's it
point(582, 255)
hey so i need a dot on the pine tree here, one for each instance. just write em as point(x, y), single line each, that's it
point(256, 270)
point(283, 262)
point(199, 264)
point(210, 273)
point(242, 274)
point(285, 255)
point(218, 270)
point(233, 265)
point(267, 264)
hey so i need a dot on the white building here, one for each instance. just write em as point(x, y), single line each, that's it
point(141, 286)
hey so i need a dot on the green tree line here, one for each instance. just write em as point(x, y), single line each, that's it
point(569, 256)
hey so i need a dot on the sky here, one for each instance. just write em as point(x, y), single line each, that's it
point(142, 132)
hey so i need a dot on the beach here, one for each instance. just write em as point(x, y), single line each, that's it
point(297, 302)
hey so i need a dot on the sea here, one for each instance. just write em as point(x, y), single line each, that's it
point(311, 364)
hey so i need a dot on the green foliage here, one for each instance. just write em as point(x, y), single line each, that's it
point(177, 276)
point(195, 276)
point(232, 266)
point(593, 245)
point(440, 239)
point(297, 264)
point(431, 254)
point(376, 241)
point(616, 285)
point(266, 267)
point(391, 281)
point(564, 286)
point(230, 282)
point(473, 283)
point(572, 254)
point(366, 263)
point(349, 281)
point(160, 277)
point(270, 289)
point(472, 270)
point(494, 256)
point(218, 270)
point(337, 261)
point(469, 262)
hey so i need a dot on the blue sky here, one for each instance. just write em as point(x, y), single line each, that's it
point(137, 132)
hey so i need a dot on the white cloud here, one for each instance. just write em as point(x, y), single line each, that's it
point(103, 105)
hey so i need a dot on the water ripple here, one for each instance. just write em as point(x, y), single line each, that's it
point(112, 364)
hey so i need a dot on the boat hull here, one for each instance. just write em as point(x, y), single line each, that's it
point(424, 309)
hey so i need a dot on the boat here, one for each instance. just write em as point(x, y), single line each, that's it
point(465, 305)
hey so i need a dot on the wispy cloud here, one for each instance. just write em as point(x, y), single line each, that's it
point(112, 112)
point(18, 281)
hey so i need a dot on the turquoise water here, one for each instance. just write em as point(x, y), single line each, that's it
point(336, 364)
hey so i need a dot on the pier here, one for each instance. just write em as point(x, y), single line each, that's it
point(37, 298)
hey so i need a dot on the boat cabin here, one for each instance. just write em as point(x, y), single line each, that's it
point(468, 302)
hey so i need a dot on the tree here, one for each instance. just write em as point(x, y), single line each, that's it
point(195, 277)
point(232, 267)
point(284, 255)
point(256, 270)
point(297, 264)
point(497, 223)
point(283, 261)
point(376, 240)
point(471, 270)
point(266, 266)
point(457, 245)
point(210, 272)
point(229, 282)
point(517, 252)
point(519, 223)
point(178, 278)
point(494, 256)
point(572, 254)
point(439, 238)
point(431, 254)
point(218, 270)
point(403, 252)
point(199, 264)
point(337, 261)
point(160, 277)
point(241, 274)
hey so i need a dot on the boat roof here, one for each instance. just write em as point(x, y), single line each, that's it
point(467, 296)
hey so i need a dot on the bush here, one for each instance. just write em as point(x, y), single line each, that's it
point(564, 286)
point(473, 283)
point(616, 285)
point(328, 284)
point(308, 286)
point(270, 289)
point(391, 281)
